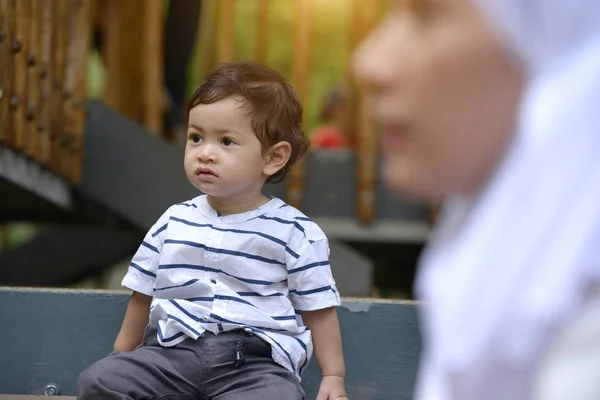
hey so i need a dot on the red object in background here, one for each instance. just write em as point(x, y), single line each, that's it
point(327, 137)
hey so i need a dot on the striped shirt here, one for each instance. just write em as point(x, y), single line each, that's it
point(255, 270)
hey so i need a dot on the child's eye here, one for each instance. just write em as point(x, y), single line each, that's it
point(227, 141)
point(194, 137)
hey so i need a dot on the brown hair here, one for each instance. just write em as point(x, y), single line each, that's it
point(274, 105)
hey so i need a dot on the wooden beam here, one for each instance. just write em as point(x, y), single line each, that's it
point(262, 31)
point(46, 80)
point(32, 397)
point(300, 66)
point(123, 29)
point(367, 135)
point(153, 65)
point(58, 139)
point(207, 42)
point(351, 100)
point(111, 26)
point(74, 89)
point(33, 96)
point(21, 49)
point(227, 31)
point(5, 69)
point(80, 93)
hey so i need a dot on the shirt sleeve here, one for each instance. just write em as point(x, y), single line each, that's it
point(310, 281)
point(141, 273)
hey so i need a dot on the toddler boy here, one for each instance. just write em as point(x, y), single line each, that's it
point(232, 290)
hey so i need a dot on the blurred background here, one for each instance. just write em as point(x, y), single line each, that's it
point(93, 114)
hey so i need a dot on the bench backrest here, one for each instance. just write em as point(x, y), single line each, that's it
point(49, 336)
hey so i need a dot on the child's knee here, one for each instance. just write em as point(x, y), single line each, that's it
point(95, 379)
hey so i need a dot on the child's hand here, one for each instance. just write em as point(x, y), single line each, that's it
point(332, 388)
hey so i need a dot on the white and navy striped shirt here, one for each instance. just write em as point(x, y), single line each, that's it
point(254, 270)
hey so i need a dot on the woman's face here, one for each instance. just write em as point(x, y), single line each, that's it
point(444, 93)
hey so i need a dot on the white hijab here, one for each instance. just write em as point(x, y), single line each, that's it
point(507, 268)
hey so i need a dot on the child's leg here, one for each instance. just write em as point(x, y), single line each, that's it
point(147, 372)
point(259, 378)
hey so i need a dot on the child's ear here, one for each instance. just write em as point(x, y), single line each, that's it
point(276, 157)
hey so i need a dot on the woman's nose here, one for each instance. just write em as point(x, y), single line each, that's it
point(376, 60)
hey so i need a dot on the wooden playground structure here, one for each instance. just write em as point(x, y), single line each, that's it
point(44, 49)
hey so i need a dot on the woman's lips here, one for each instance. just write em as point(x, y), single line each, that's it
point(393, 139)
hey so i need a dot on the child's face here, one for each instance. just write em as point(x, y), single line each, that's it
point(223, 156)
point(445, 95)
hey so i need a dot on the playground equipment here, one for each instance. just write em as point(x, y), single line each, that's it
point(65, 158)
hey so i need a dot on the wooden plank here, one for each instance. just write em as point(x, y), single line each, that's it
point(74, 110)
point(110, 22)
point(71, 56)
point(46, 79)
point(153, 65)
point(227, 32)
point(58, 139)
point(33, 96)
point(262, 31)
point(300, 64)
point(32, 397)
point(207, 40)
point(80, 94)
point(123, 33)
point(21, 49)
point(351, 100)
point(381, 339)
point(367, 150)
point(5, 69)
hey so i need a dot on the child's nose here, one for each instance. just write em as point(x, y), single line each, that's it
point(206, 153)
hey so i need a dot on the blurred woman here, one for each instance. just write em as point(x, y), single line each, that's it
point(493, 107)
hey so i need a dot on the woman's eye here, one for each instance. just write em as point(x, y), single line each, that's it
point(227, 141)
point(195, 138)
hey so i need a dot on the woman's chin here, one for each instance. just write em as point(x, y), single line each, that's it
point(405, 180)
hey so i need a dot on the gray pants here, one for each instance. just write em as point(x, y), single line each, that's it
point(194, 369)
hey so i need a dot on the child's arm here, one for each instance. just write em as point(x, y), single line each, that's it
point(313, 292)
point(327, 342)
point(140, 278)
point(136, 318)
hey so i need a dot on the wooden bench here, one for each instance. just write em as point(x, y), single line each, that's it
point(31, 397)
point(49, 336)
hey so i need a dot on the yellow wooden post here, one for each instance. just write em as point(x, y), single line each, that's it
point(351, 99)
point(33, 96)
point(123, 52)
point(367, 138)
point(152, 42)
point(227, 31)
point(111, 28)
point(300, 64)
point(262, 31)
point(21, 49)
point(207, 41)
point(80, 93)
